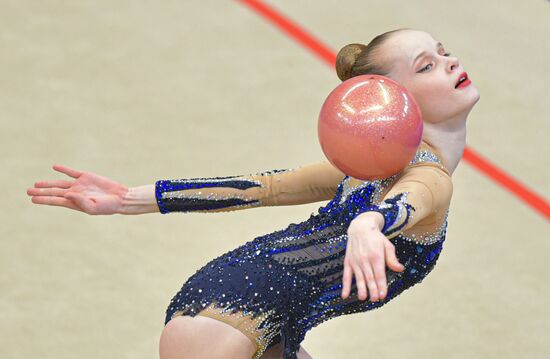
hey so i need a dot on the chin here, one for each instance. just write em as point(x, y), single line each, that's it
point(476, 96)
point(473, 98)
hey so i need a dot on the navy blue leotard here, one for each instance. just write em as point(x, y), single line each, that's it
point(290, 280)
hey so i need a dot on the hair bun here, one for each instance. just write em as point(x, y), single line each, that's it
point(345, 60)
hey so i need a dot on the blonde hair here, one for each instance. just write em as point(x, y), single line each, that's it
point(358, 59)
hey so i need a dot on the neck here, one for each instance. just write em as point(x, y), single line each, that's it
point(448, 138)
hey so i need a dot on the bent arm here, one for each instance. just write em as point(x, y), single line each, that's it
point(422, 191)
point(305, 184)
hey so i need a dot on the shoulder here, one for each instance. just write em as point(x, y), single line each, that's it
point(426, 155)
point(427, 168)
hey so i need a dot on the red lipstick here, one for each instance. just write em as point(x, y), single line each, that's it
point(463, 80)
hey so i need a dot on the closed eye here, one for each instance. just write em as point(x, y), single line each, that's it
point(426, 67)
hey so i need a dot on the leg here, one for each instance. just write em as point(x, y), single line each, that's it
point(200, 337)
point(276, 352)
point(302, 354)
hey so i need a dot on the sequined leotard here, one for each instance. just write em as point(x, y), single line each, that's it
point(278, 286)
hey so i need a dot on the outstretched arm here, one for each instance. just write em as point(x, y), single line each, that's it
point(305, 184)
point(97, 195)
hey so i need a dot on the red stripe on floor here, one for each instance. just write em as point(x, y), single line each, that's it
point(293, 30)
point(538, 203)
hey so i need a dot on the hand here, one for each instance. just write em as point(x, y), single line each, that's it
point(88, 193)
point(366, 253)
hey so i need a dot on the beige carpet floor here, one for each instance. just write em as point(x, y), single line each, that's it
point(142, 91)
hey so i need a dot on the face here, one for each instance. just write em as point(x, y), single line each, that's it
point(431, 78)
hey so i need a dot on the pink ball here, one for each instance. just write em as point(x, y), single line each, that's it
point(370, 127)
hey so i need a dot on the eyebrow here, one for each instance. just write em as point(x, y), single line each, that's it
point(439, 44)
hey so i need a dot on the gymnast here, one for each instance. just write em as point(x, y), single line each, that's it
point(368, 244)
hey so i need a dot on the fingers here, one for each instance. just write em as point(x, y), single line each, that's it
point(391, 258)
point(363, 278)
point(362, 273)
point(70, 200)
point(50, 188)
point(55, 183)
point(346, 281)
point(54, 201)
point(366, 258)
point(68, 171)
point(54, 192)
point(379, 292)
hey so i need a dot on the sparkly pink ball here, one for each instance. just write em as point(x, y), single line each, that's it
point(370, 127)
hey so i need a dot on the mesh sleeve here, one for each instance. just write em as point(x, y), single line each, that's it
point(420, 192)
point(305, 184)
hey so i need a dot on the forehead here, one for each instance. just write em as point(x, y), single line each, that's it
point(401, 48)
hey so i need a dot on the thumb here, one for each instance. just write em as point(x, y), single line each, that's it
point(391, 259)
point(81, 201)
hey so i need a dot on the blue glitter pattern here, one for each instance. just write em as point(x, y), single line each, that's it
point(393, 210)
point(292, 277)
point(170, 198)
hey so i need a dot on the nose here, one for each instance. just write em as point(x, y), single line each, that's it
point(453, 63)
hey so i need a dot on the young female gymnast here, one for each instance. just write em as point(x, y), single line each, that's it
point(260, 299)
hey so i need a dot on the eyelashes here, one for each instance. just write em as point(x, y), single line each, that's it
point(425, 67)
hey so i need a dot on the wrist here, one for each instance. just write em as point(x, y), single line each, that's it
point(139, 200)
point(371, 220)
